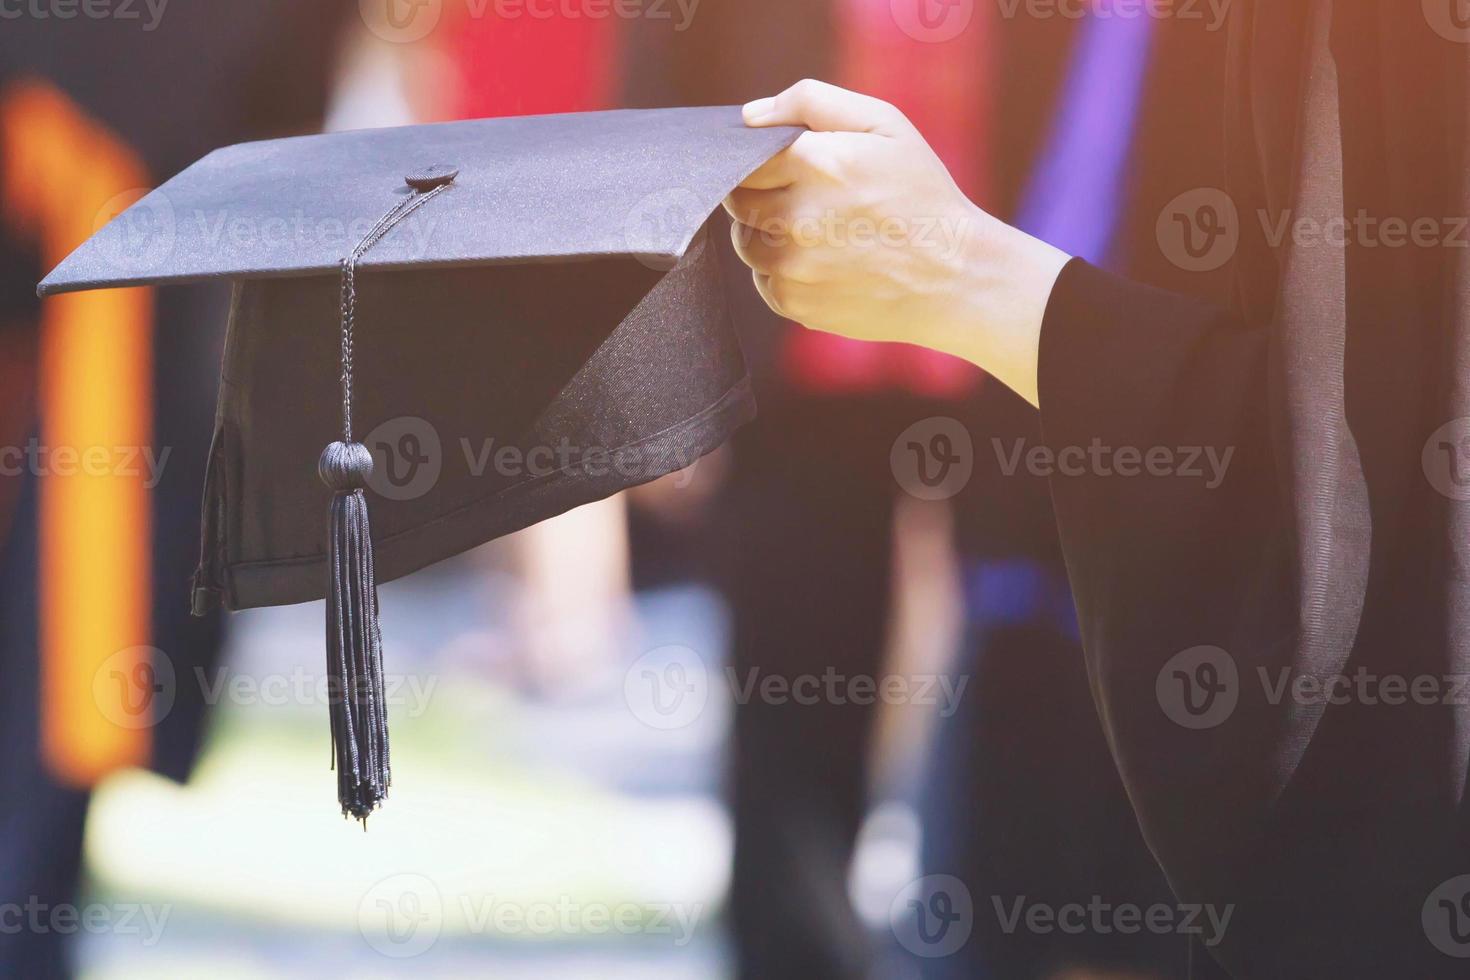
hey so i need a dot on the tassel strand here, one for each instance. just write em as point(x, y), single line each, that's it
point(354, 642)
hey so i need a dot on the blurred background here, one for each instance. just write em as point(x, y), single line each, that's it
point(802, 710)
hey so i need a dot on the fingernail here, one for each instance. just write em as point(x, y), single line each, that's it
point(758, 110)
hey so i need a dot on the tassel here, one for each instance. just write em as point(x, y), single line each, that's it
point(355, 690)
point(355, 687)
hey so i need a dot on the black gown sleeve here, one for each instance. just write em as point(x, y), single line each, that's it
point(1175, 529)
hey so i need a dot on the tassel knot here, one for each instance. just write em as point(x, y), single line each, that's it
point(345, 466)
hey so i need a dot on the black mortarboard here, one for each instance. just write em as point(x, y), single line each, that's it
point(486, 323)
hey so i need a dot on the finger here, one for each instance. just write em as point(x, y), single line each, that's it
point(811, 155)
point(763, 286)
point(767, 256)
point(766, 210)
point(750, 249)
point(787, 297)
point(826, 108)
point(779, 171)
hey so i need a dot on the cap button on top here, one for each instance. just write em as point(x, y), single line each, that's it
point(432, 176)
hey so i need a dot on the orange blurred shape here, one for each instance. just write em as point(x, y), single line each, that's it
point(64, 175)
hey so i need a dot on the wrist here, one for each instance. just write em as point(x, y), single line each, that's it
point(1002, 282)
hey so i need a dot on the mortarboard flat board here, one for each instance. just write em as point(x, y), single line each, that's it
point(513, 317)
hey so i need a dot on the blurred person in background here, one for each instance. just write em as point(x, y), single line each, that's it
point(95, 559)
point(1331, 829)
point(807, 520)
point(1022, 801)
point(573, 614)
point(1112, 103)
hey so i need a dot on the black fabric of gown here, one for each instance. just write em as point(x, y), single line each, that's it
point(1328, 819)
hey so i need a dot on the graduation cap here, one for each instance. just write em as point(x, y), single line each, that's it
point(485, 323)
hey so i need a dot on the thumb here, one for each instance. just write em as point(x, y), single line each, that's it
point(826, 108)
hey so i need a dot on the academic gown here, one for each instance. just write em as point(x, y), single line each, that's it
point(1278, 655)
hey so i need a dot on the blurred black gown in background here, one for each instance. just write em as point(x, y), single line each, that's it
point(190, 83)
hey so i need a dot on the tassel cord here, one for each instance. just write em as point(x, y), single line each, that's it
point(358, 710)
point(385, 224)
